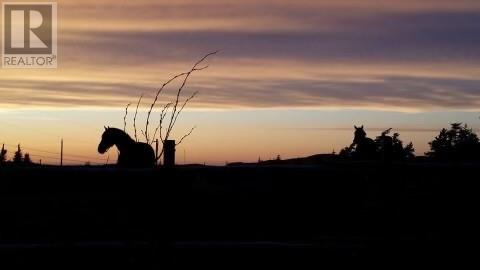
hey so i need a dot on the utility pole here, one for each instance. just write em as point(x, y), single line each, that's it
point(2, 153)
point(156, 151)
point(61, 153)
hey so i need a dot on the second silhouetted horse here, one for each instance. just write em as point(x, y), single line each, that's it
point(365, 148)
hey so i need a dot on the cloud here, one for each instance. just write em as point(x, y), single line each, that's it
point(388, 37)
point(394, 93)
point(403, 55)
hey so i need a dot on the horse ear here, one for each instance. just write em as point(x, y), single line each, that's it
point(105, 128)
point(355, 126)
point(361, 127)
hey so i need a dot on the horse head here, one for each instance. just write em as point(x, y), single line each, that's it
point(108, 140)
point(360, 134)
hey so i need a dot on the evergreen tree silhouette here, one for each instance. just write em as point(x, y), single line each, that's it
point(409, 151)
point(457, 143)
point(18, 156)
point(3, 154)
point(27, 159)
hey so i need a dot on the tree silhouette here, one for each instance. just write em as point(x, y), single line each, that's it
point(18, 156)
point(399, 152)
point(384, 145)
point(408, 151)
point(3, 154)
point(457, 143)
point(393, 148)
point(27, 159)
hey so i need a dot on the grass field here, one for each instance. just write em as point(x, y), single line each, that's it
point(242, 214)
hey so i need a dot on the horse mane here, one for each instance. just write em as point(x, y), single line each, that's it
point(119, 134)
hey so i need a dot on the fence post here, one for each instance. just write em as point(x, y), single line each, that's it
point(169, 153)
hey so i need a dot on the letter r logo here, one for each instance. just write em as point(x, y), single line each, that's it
point(29, 28)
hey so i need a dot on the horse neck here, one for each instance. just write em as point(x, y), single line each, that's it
point(123, 142)
point(364, 140)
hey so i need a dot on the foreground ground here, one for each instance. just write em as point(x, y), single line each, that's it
point(238, 215)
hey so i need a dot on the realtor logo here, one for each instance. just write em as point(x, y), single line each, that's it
point(29, 35)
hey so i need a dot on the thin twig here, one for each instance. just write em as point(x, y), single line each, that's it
point(163, 113)
point(125, 118)
point(183, 106)
point(135, 118)
point(186, 135)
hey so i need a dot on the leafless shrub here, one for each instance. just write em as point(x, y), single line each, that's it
point(172, 109)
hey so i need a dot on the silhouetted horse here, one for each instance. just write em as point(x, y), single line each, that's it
point(132, 153)
point(365, 148)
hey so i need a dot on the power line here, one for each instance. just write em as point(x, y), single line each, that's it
point(56, 157)
point(54, 153)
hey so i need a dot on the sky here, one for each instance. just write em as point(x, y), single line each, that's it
point(290, 79)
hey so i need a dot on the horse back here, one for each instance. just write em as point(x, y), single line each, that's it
point(145, 153)
point(139, 154)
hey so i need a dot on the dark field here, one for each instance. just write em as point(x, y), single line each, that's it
point(245, 215)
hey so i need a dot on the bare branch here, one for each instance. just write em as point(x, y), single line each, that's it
point(173, 105)
point(125, 118)
point(155, 133)
point(205, 57)
point(156, 99)
point(202, 68)
point(174, 113)
point(185, 136)
point(135, 118)
point(163, 113)
point(183, 106)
